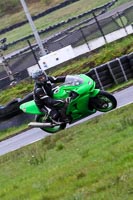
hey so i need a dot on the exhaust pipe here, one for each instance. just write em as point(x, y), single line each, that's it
point(42, 125)
point(39, 124)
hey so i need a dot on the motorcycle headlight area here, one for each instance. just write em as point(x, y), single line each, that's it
point(89, 83)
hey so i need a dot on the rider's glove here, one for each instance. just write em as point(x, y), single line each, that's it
point(59, 103)
point(68, 100)
point(44, 110)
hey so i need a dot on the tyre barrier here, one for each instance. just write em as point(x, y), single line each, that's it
point(11, 115)
point(5, 82)
point(16, 121)
point(130, 57)
point(106, 75)
point(113, 72)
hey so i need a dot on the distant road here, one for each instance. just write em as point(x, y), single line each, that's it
point(123, 97)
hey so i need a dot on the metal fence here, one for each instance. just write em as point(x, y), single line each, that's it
point(107, 75)
point(94, 27)
point(93, 24)
point(65, 27)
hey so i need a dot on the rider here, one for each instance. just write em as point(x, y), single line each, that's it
point(43, 94)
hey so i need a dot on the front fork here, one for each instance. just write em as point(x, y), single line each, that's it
point(94, 93)
point(92, 99)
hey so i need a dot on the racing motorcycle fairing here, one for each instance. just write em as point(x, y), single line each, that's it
point(85, 100)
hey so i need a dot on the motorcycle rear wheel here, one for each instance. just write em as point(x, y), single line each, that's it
point(53, 129)
point(104, 102)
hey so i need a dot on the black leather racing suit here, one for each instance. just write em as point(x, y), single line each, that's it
point(43, 94)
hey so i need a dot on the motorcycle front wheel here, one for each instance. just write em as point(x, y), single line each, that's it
point(52, 129)
point(104, 102)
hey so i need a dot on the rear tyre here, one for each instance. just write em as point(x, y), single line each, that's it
point(52, 129)
point(104, 102)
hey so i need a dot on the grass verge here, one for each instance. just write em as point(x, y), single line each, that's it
point(42, 23)
point(89, 161)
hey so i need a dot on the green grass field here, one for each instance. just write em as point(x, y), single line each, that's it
point(8, 17)
point(90, 161)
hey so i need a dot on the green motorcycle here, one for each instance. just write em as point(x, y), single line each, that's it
point(85, 100)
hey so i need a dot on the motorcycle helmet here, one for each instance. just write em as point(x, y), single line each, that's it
point(39, 77)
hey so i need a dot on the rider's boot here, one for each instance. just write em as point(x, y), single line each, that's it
point(64, 117)
point(54, 114)
point(45, 111)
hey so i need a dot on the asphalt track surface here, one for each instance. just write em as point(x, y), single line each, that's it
point(123, 97)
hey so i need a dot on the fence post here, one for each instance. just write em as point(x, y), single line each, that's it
point(111, 72)
point(6, 67)
point(99, 26)
point(35, 57)
point(123, 25)
point(98, 78)
point(124, 74)
point(84, 38)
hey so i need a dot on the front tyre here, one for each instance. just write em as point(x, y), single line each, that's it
point(52, 129)
point(104, 102)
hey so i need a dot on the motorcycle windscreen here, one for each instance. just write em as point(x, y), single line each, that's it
point(30, 107)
